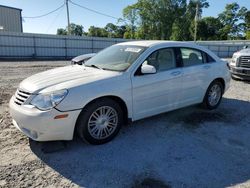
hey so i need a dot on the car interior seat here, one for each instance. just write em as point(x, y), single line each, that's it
point(165, 60)
point(193, 59)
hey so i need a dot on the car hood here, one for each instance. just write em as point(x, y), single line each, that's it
point(243, 52)
point(74, 73)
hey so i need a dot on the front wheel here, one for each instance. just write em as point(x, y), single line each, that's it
point(213, 95)
point(100, 121)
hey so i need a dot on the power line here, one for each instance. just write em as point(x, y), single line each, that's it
point(97, 12)
point(46, 13)
point(54, 20)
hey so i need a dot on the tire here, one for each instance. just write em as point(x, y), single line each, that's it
point(100, 121)
point(213, 95)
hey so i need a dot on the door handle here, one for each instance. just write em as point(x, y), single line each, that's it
point(176, 73)
point(207, 66)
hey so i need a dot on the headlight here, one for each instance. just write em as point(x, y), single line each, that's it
point(47, 101)
point(234, 60)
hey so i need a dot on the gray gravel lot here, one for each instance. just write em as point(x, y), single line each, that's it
point(190, 147)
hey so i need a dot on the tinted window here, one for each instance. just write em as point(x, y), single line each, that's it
point(191, 57)
point(163, 59)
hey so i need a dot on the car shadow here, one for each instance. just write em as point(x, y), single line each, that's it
point(189, 147)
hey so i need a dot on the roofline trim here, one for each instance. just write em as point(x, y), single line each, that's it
point(11, 7)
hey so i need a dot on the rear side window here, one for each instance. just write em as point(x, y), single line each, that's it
point(191, 57)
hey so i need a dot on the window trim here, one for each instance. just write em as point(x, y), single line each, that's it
point(209, 56)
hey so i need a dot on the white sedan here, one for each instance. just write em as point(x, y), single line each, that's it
point(125, 82)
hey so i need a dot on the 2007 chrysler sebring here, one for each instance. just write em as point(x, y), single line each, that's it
point(127, 81)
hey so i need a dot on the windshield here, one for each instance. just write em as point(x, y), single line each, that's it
point(116, 58)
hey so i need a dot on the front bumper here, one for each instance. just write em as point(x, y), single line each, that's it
point(41, 125)
point(240, 72)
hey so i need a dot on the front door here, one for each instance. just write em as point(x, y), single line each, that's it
point(159, 92)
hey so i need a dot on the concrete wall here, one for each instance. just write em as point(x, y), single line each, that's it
point(41, 46)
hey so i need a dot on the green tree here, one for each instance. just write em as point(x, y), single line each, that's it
point(232, 19)
point(61, 31)
point(111, 30)
point(97, 32)
point(130, 13)
point(247, 21)
point(182, 21)
point(213, 27)
point(161, 19)
point(120, 31)
point(74, 30)
point(208, 28)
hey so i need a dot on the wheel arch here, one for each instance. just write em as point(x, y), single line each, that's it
point(222, 81)
point(117, 99)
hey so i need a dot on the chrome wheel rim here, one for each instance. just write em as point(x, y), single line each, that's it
point(103, 122)
point(214, 95)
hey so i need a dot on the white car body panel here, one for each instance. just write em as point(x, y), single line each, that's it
point(144, 96)
point(153, 94)
point(28, 119)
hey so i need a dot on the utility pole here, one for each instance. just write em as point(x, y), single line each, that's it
point(196, 20)
point(67, 5)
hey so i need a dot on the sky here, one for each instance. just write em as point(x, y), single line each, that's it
point(58, 19)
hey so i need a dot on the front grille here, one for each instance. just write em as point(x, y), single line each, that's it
point(21, 96)
point(245, 61)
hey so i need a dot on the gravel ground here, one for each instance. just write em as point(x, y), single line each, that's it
point(189, 147)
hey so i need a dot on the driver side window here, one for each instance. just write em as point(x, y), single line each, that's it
point(162, 60)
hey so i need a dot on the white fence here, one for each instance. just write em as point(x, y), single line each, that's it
point(224, 49)
point(41, 46)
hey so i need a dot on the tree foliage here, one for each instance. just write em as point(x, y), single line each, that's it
point(110, 30)
point(172, 20)
point(247, 21)
point(75, 29)
point(232, 19)
point(162, 19)
point(61, 31)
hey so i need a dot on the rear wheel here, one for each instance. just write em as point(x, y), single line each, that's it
point(100, 121)
point(213, 95)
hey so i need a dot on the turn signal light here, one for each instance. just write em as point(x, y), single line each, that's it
point(61, 116)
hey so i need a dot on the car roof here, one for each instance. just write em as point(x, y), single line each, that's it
point(150, 43)
point(165, 43)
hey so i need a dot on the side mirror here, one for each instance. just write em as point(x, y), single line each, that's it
point(148, 69)
point(245, 47)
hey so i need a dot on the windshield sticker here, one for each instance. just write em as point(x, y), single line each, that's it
point(136, 50)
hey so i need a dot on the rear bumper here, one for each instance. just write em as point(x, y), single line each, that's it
point(41, 125)
point(240, 72)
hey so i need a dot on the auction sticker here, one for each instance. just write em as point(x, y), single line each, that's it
point(136, 50)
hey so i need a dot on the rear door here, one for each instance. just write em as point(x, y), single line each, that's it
point(197, 75)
